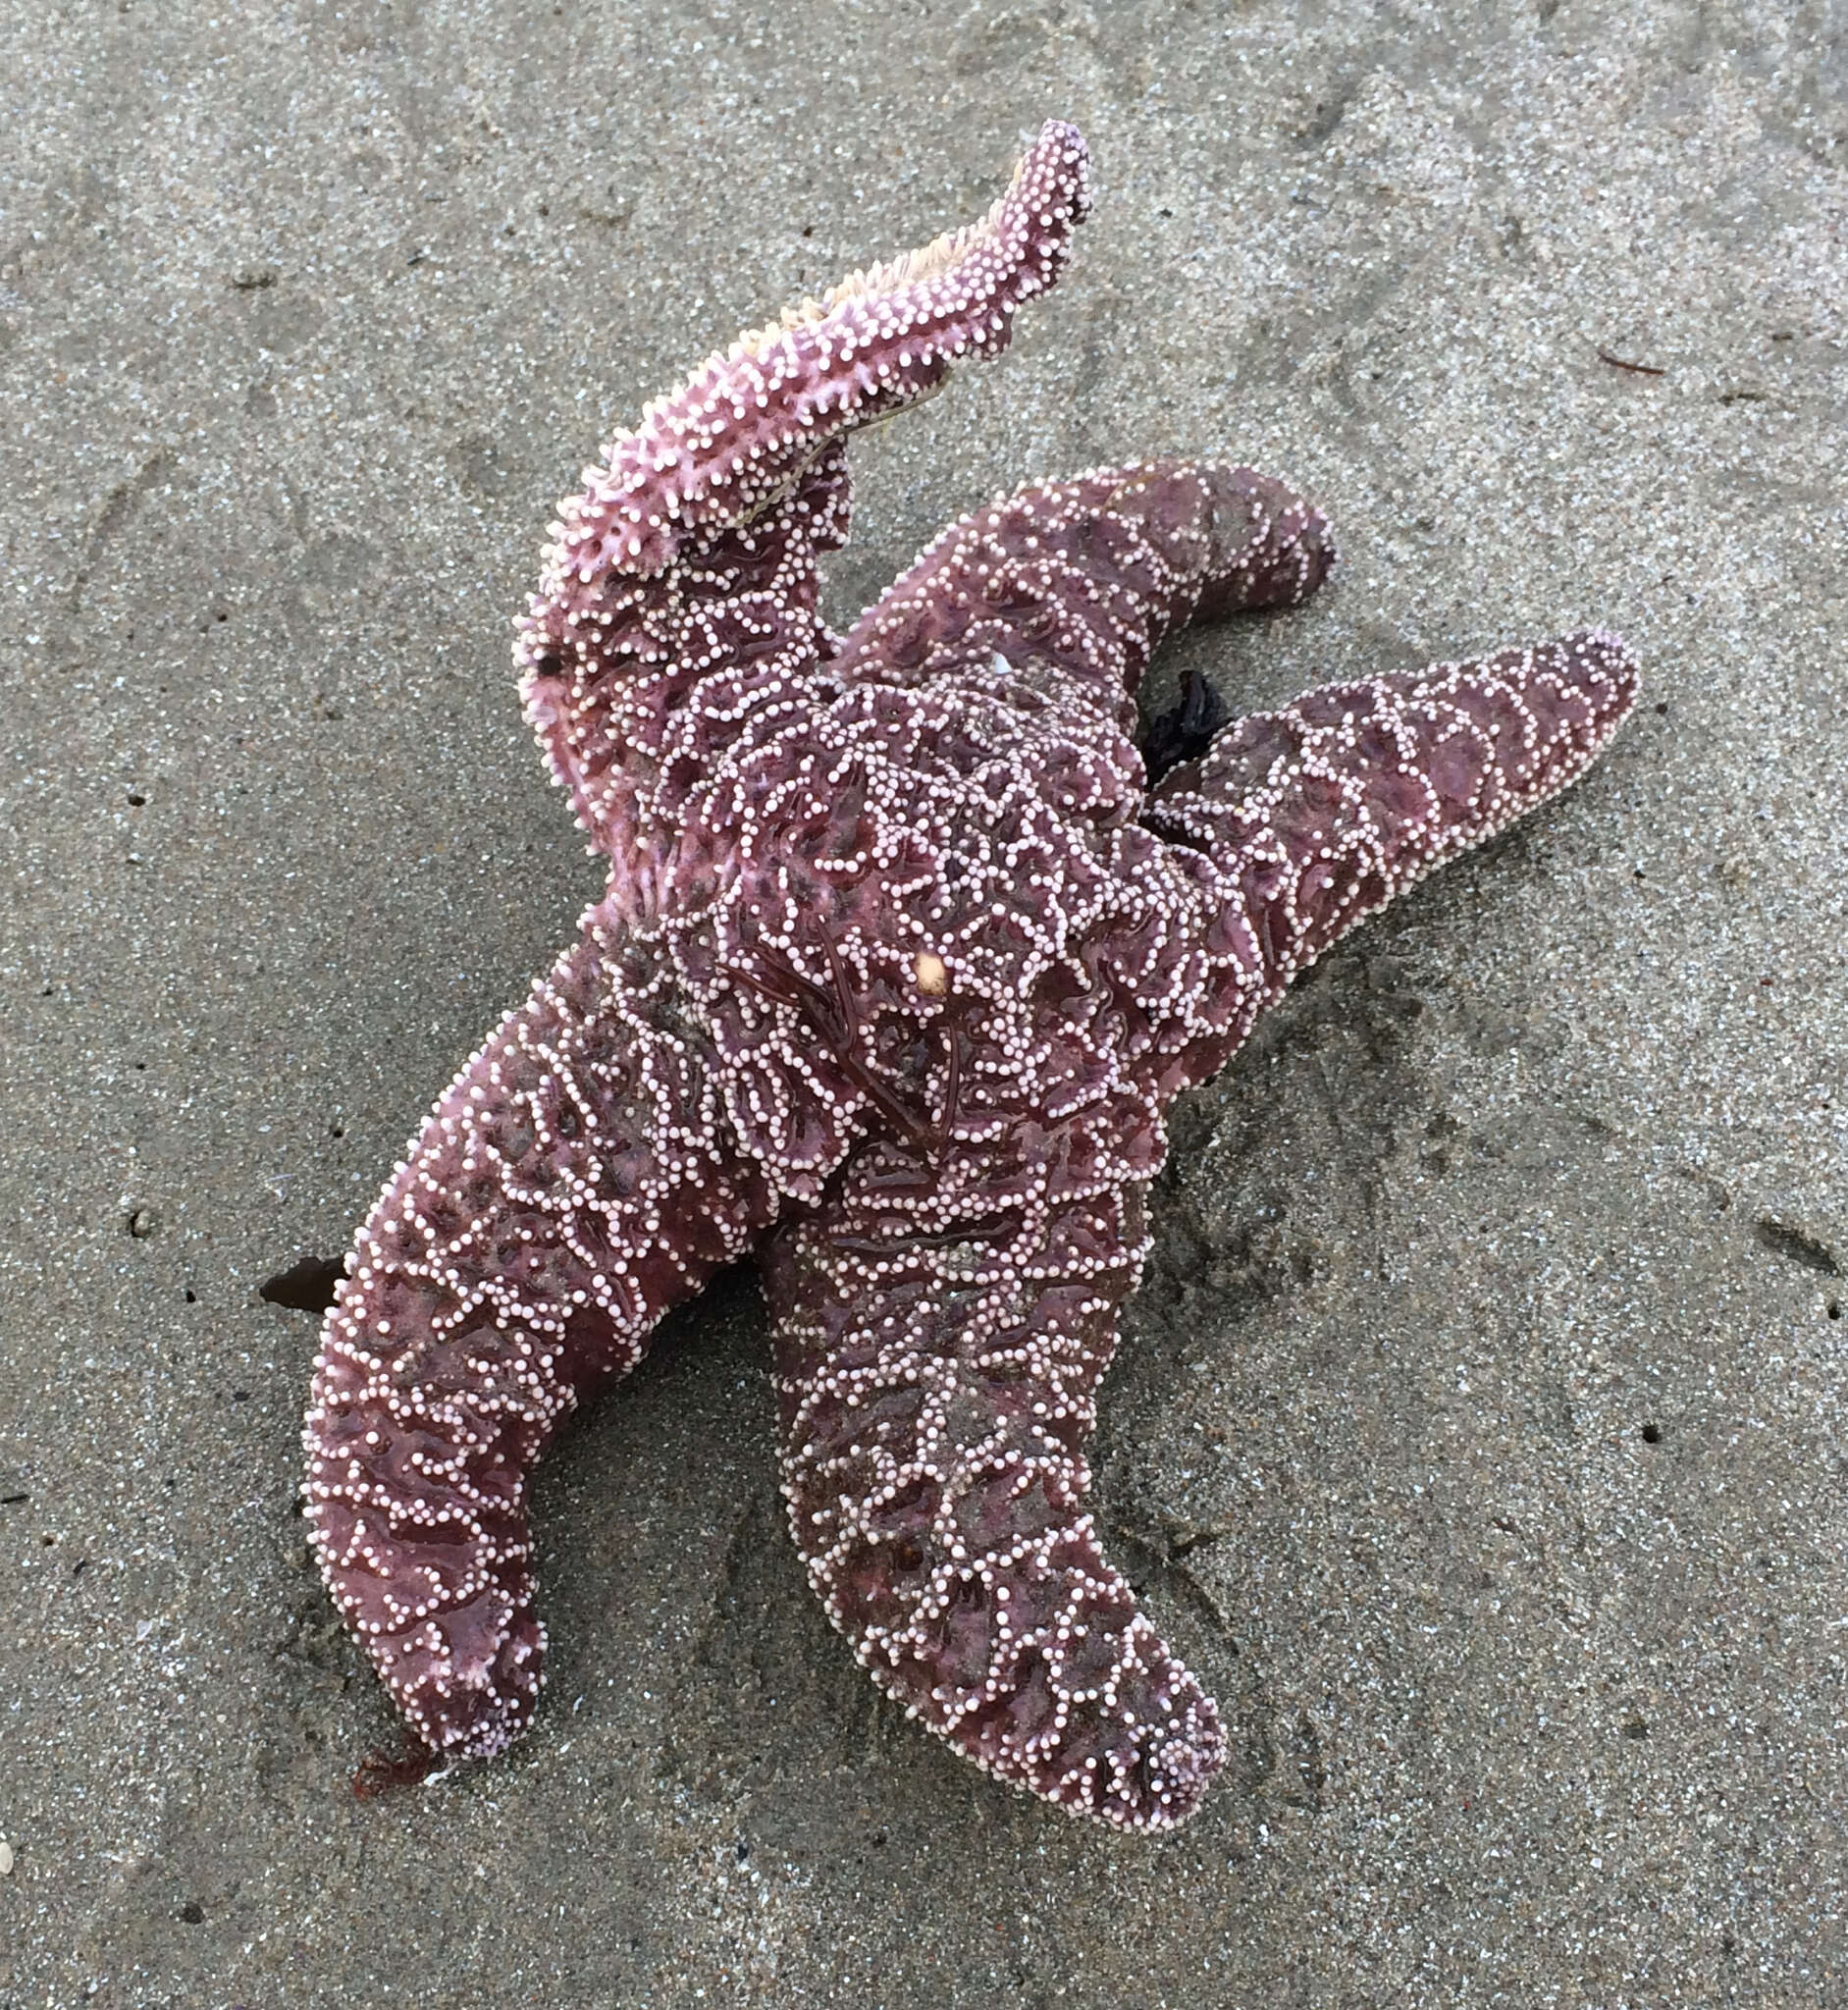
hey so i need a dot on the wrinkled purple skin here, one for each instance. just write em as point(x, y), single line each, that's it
point(900, 964)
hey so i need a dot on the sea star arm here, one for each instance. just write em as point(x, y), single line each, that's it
point(937, 1364)
point(607, 662)
point(690, 551)
point(1085, 578)
point(1315, 815)
point(570, 1187)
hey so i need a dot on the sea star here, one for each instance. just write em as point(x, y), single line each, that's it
point(902, 958)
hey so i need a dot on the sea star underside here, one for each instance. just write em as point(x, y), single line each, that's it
point(903, 956)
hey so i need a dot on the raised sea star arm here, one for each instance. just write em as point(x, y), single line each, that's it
point(568, 1187)
point(608, 665)
point(1317, 815)
point(1085, 578)
point(937, 1368)
point(690, 551)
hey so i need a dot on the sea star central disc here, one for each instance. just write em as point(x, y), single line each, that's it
point(904, 954)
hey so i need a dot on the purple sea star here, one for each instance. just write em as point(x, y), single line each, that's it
point(903, 957)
